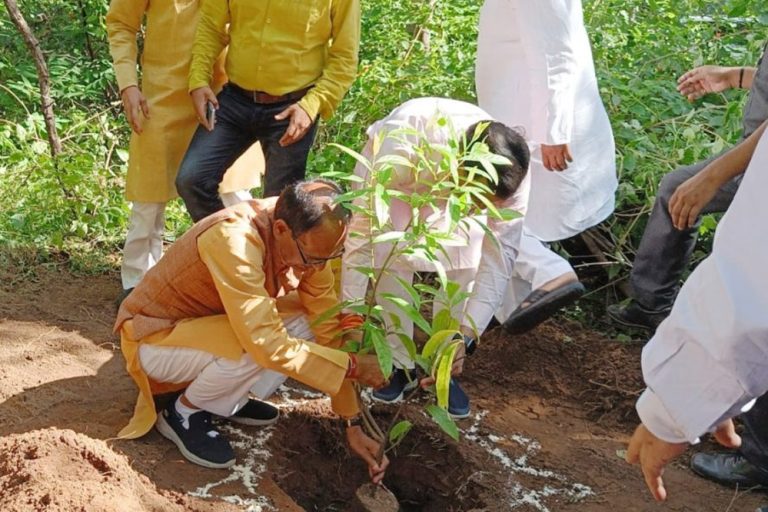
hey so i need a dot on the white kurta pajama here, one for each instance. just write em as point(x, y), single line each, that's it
point(709, 358)
point(535, 70)
point(460, 261)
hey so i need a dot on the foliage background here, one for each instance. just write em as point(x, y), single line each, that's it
point(640, 48)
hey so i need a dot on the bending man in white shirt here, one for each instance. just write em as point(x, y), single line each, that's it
point(479, 257)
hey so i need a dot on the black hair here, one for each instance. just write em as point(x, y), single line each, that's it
point(299, 208)
point(507, 142)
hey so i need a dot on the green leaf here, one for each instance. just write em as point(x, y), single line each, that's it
point(409, 344)
point(444, 320)
point(399, 431)
point(354, 154)
point(410, 311)
point(444, 421)
point(432, 346)
point(388, 237)
point(443, 380)
point(382, 348)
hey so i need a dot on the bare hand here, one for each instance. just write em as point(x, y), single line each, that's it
point(367, 449)
point(298, 126)
point(653, 454)
point(690, 198)
point(369, 371)
point(135, 105)
point(704, 80)
point(556, 158)
point(456, 369)
point(200, 98)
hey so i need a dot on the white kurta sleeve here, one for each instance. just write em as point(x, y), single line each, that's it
point(547, 37)
point(709, 358)
point(495, 270)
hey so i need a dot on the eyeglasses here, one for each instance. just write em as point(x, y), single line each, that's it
point(315, 261)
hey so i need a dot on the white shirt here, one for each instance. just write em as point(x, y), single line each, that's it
point(709, 358)
point(535, 70)
point(493, 261)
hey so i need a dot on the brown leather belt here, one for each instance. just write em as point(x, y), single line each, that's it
point(264, 98)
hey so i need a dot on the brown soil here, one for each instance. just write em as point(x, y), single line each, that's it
point(550, 411)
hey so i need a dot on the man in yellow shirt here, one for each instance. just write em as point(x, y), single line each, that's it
point(287, 63)
point(162, 120)
point(229, 312)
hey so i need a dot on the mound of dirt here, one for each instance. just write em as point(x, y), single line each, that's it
point(55, 469)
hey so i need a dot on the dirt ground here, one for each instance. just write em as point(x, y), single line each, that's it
point(550, 411)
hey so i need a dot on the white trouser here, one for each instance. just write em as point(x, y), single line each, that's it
point(143, 243)
point(144, 240)
point(218, 385)
point(388, 283)
point(536, 264)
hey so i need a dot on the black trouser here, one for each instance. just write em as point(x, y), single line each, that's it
point(665, 251)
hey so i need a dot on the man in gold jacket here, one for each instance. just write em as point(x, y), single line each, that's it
point(229, 312)
point(287, 63)
point(162, 119)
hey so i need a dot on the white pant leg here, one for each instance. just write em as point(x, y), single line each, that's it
point(389, 284)
point(143, 242)
point(232, 198)
point(218, 385)
point(535, 265)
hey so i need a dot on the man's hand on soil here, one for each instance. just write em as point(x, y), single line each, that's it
point(367, 449)
point(369, 371)
point(653, 454)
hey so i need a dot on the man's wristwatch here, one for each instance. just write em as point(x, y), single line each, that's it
point(470, 344)
point(356, 421)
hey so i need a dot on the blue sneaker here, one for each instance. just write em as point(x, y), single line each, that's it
point(398, 385)
point(458, 401)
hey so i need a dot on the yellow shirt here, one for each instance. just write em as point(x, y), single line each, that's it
point(280, 46)
point(232, 251)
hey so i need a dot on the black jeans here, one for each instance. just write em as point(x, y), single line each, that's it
point(239, 123)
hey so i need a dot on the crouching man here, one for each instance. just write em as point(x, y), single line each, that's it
point(217, 318)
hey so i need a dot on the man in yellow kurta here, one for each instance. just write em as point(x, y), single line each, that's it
point(229, 312)
point(287, 63)
point(162, 119)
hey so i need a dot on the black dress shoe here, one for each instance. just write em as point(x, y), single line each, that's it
point(634, 315)
point(730, 469)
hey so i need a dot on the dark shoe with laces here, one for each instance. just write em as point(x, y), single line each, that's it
point(730, 469)
point(256, 413)
point(399, 384)
point(458, 401)
point(197, 439)
point(634, 315)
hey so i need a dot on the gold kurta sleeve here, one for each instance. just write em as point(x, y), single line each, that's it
point(317, 294)
point(123, 22)
point(234, 254)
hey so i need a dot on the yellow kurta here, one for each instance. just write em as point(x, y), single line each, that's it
point(156, 154)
